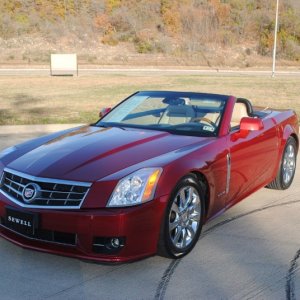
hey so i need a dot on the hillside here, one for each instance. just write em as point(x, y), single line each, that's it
point(190, 32)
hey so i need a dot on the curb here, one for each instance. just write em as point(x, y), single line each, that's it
point(21, 129)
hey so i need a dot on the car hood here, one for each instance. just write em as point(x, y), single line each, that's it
point(90, 153)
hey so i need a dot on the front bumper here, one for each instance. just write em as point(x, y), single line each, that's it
point(73, 233)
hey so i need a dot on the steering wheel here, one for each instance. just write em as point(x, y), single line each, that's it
point(211, 123)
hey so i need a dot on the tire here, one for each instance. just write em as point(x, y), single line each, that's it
point(183, 219)
point(286, 172)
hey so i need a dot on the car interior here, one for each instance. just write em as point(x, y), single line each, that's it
point(186, 112)
point(239, 112)
point(178, 114)
point(242, 108)
point(183, 110)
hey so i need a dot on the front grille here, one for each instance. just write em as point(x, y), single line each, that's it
point(56, 237)
point(50, 193)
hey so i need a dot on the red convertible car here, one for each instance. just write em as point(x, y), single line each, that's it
point(145, 177)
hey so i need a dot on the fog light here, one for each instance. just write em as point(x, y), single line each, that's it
point(115, 242)
point(108, 245)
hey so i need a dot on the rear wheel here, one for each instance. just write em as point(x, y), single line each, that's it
point(183, 219)
point(287, 167)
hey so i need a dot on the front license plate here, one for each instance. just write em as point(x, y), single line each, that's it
point(22, 222)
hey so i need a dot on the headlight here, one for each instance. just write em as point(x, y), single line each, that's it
point(136, 188)
point(7, 151)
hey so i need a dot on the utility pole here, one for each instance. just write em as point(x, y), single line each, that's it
point(275, 39)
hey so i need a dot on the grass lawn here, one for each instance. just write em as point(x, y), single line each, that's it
point(45, 100)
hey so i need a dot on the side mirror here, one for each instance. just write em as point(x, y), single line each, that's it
point(251, 124)
point(247, 125)
point(104, 111)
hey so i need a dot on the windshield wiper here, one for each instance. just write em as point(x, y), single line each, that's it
point(109, 125)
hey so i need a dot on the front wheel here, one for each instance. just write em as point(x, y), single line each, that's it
point(286, 172)
point(183, 219)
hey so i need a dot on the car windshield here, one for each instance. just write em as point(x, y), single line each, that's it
point(175, 112)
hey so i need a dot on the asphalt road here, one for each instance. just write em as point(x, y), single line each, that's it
point(45, 71)
point(250, 252)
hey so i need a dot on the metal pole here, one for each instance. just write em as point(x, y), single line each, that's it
point(65, 7)
point(275, 39)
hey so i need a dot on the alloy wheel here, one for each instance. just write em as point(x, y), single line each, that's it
point(289, 164)
point(184, 217)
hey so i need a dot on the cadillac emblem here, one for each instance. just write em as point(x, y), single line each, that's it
point(30, 192)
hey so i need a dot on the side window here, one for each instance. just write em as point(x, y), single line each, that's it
point(239, 112)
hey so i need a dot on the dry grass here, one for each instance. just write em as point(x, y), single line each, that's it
point(42, 100)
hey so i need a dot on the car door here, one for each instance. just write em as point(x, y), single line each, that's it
point(251, 160)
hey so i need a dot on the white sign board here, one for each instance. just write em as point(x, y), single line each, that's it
point(63, 64)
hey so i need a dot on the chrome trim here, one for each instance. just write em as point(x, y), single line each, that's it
point(1, 178)
point(228, 176)
point(39, 240)
point(13, 189)
point(57, 199)
point(45, 180)
point(61, 192)
point(43, 206)
point(17, 183)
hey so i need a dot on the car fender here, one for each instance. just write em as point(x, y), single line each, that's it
point(201, 167)
point(287, 132)
point(284, 131)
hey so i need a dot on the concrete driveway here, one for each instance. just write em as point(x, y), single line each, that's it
point(250, 252)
